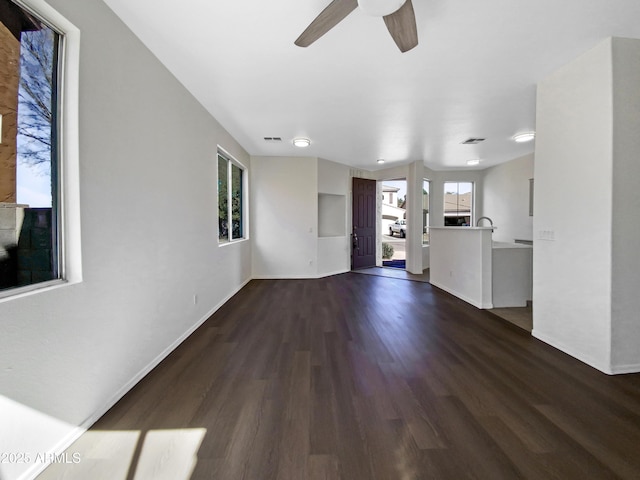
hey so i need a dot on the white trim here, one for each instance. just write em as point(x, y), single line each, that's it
point(331, 274)
point(245, 196)
point(461, 296)
point(19, 292)
point(285, 277)
point(301, 277)
point(571, 352)
point(232, 242)
point(624, 369)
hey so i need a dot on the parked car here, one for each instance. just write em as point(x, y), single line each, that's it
point(399, 227)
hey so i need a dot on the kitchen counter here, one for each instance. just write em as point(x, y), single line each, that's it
point(468, 264)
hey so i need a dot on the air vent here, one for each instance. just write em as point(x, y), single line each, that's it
point(473, 141)
point(272, 139)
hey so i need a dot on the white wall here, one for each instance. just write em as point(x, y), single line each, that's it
point(573, 200)
point(149, 244)
point(505, 199)
point(284, 206)
point(626, 205)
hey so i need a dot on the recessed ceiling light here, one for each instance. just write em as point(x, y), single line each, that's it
point(381, 161)
point(475, 161)
point(301, 142)
point(524, 137)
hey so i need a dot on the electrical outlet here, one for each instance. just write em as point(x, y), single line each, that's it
point(195, 299)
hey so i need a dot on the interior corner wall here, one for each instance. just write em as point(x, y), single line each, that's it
point(572, 220)
point(505, 199)
point(626, 205)
point(149, 245)
point(284, 208)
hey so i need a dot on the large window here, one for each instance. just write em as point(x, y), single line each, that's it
point(30, 243)
point(425, 212)
point(231, 216)
point(458, 204)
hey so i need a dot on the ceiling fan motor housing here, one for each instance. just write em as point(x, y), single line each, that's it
point(380, 8)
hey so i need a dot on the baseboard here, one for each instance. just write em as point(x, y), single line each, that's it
point(571, 352)
point(281, 277)
point(68, 440)
point(462, 297)
point(38, 467)
point(298, 277)
point(331, 274)
point(625, 369)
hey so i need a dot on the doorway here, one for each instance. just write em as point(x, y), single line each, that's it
point(363, 234)
point(394, 223)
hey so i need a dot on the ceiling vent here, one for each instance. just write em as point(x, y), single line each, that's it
point(473, 141)
point(272, 139)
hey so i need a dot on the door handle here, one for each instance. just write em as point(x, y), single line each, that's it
point(355, 241)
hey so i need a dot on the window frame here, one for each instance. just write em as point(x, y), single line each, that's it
point(231, 162)
point(66, 193)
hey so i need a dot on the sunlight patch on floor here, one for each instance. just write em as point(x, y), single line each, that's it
point(110, 455)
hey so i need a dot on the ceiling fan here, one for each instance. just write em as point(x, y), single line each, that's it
point(398, 15)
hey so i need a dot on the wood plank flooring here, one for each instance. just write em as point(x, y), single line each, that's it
point(360, 377)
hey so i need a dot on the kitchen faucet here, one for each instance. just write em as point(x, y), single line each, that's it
point(484, 218)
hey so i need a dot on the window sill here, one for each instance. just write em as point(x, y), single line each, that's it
point(20, 292)
point(233, 242)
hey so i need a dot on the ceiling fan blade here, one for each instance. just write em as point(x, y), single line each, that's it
point(328, 18)
point(402, 27)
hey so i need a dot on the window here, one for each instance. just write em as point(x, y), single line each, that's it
point(425, 212)
point(458, 204)
point(231, 188)
point(30, 197)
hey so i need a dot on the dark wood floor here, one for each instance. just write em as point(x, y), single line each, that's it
point(362, 377)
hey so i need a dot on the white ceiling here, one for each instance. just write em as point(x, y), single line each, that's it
point(353, 93)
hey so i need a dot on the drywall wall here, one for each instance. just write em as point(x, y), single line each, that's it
point(505, 199)
point(625, 300)
point(284, 207)
point(573, 208)
point(149, 245)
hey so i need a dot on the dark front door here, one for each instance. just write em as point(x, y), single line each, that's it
point(363, 234)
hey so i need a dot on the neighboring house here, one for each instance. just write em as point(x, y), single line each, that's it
point(390, 209)
point(457, 209)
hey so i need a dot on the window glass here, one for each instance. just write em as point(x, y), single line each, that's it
point(29, 240)
point(231, 209)
point(236, 202)
point(458, 204)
